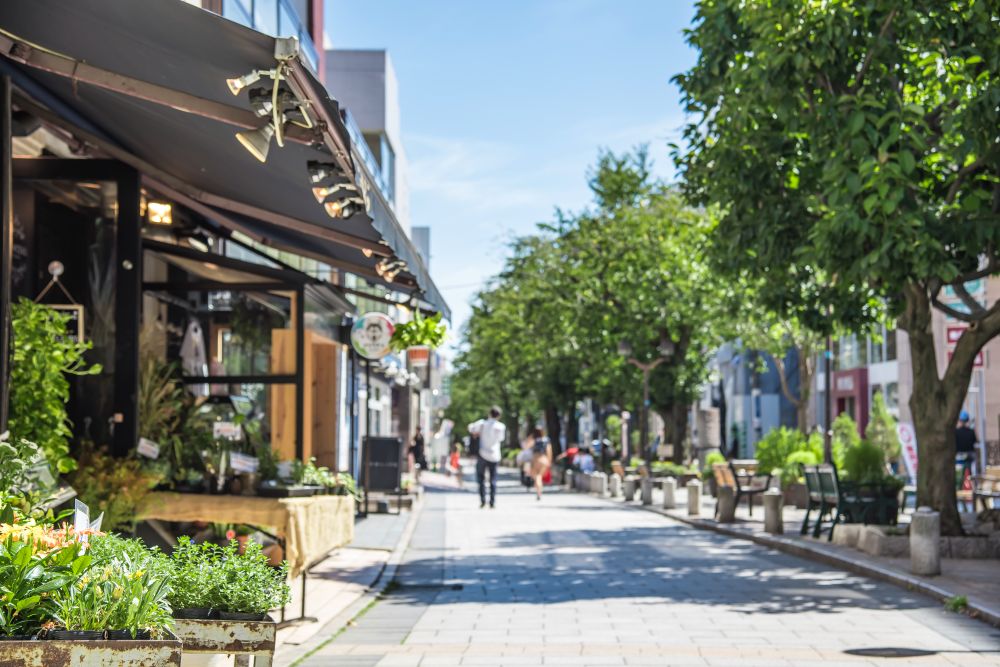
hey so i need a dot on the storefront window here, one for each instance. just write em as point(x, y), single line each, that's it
point(890, 345)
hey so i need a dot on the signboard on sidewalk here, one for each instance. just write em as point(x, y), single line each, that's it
point(908, 446)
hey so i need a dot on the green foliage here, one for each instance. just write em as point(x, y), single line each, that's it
point(845, 431)
point(221, 578)
point(631, 267)
point(107, 548)
point(42, 358)
point(118, 594)
point(30, 573)
point(791, 470)
point(956, 603)
point(613, 424)
point(429, 331)
point(711, 459)
point(773, 449)
point(114, 486)
point(864, 463)
point(881, 429)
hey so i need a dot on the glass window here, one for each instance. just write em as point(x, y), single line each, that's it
point(878, 348)
point(265, 16)
point(288, 25)
point(890, 345)
point(238, 11)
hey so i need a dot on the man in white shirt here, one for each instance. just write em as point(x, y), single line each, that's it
point(492, 434)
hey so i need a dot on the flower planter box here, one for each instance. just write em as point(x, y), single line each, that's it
point(120, 652)
point(201, 636)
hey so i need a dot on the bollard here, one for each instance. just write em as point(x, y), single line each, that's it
point(615, 485)
point(669, 493)
point(774, 521)
point(569, 480)
point(601, 486)
point(647, 490)
point(694, 497)
point(628, 488)
point(726, 504)
point(925, 542)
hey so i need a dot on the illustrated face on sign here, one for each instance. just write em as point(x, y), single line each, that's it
point(371, 335)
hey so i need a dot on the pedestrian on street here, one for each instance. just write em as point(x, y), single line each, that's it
point(965, 444)
point(418, 460)
point(541, 459)
point(455, 463)
point(585, 460)
point(491, 433)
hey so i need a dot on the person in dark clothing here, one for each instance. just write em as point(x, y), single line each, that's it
point(965, 441)
point(419, 459)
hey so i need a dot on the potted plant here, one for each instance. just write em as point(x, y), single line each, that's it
point(420, 331)
point(246, 586)
point(708, 474)
point(192, 581)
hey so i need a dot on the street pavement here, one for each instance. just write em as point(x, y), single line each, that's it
point(575, 580)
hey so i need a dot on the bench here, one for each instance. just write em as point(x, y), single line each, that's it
point(744, 478)
point(835, 501)
point(986, 487)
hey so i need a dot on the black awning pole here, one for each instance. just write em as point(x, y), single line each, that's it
point(300, 374)
point(6, 244)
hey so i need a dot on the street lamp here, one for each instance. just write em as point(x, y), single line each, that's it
point(665, 350)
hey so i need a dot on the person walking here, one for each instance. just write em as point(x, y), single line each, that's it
point(418, 459)
point(491, 433)
point(541, 459)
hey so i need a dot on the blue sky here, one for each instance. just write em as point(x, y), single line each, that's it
point(506, 104)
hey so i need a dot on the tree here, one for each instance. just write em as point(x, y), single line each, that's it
point(858, 141)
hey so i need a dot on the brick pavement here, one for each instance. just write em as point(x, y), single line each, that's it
point(579, 581)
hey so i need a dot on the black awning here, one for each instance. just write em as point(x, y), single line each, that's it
point(181, 130)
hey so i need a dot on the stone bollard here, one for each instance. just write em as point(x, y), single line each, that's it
point(628, 488)
point(726, 497)
point(569, 480)
point(694, 497)
point(774, 521)
point(615, 485)
point(601, 486)
point(647, 490)
point(669, 493)
point(925, 542)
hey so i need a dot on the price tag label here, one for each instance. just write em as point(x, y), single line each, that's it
point(148, 448)
point(243, 463)
point(285, 470)
point(81, 519)
point(227, 431)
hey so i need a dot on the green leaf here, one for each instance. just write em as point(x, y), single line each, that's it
point(856, 122)
point(906, 161)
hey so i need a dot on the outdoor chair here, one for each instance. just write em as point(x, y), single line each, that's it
point(747, 482)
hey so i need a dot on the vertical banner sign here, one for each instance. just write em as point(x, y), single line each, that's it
point(908, 445)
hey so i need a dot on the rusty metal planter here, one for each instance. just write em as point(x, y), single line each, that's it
point(123, 652)
point(242, 638)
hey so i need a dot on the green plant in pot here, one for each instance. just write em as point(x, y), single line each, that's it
point(113, 486)
point(419, 331)
point(247, 586)
point(192, 594)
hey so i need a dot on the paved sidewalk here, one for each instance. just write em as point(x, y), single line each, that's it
point(339, 581)
point(577, 580)
point(977, 579)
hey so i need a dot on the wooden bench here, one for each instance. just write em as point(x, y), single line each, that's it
point(747, 481)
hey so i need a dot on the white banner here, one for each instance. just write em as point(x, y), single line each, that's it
point(908, 445)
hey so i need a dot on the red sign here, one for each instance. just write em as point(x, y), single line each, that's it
point(954, 333)
point(980, 360)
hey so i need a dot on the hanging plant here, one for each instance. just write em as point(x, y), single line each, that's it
point(421, 330)
point(39, 389)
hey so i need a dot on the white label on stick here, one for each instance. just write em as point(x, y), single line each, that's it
point(148, 448)
point(81, 519)
point(243, 463)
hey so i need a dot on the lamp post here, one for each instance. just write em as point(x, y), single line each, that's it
point(665, 350)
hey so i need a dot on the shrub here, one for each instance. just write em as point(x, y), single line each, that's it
point(881, 430)
point(113, 486)
point(774, 448)
point(791, 471)
point(864, 462)
point(193, 584)
point(246, 583)
point(711, 459)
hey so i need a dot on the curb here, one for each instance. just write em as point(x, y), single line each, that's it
point(814, 553)
point(339, 622)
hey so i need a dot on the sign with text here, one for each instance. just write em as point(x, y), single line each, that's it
point(148, 449)
point(371, 334)
point(243, 462)
point(74, 325)
point(908, 445)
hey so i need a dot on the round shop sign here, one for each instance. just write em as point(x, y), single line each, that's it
point(371, 334)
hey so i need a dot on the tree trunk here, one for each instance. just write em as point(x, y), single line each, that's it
point(572, 426)
point(805, 389)
point(935, 405)
point(554, 427)
point(677, 427)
